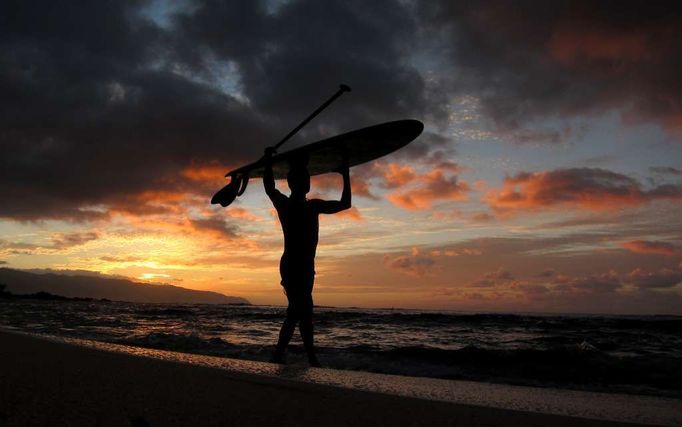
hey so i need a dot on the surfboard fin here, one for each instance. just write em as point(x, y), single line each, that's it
point(228, 193)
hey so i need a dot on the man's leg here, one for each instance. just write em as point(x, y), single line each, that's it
point(287, 330)
point(306, 328)
point(285, 334)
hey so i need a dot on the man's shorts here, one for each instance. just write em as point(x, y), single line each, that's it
point(298, 279)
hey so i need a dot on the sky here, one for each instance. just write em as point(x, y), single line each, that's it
point(548, 177)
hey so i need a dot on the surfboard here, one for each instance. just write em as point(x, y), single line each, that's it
point(359, 146)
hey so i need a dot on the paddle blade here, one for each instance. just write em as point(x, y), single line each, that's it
point(227, 194)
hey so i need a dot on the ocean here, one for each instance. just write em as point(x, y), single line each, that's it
point(628, 354)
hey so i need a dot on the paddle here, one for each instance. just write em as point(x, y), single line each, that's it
point(342, 89)
point(238, 184)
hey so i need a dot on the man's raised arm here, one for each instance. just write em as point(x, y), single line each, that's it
point(333, 206)
point(268, 177)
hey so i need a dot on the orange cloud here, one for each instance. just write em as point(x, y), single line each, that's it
point(360, 180)
point(150, 203)
point(396, 175)
point(436, 187)
point(352, 213)
point(570, 45)
point(588, 188)
point(649, 247)
point(210, 172)
point(241, 213)
point(333, 182)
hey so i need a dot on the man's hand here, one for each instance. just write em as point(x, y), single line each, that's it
point(268, 179)
point(269, 152)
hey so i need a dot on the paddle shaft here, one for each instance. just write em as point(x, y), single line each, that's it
point(342, 89)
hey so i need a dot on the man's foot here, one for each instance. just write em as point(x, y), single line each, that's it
point(312, 361)
point(278, 357)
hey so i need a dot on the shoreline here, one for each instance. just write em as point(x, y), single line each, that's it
point(133, 375)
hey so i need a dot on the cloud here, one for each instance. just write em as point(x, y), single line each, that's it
point(434, 186)
point(92, 118)
point(396, 175)
point(124, 258)
point(211, 172)
point(285, 59)
point(538, 60)
point(58, 242)
point(415, 264)
point(666, 170)
point(352, 213)
point(330, 185)
point(67, 240)
point(493, 279)
point(663, 278)
point(649, 247)
point(587, 188)
point(17, 247)
point(594, 283)
point(216, 225)
point(242, 214)
point(570, 46)
point(482, 217)
point(547, 273)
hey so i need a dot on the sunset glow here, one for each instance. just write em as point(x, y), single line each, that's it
point(548, 177)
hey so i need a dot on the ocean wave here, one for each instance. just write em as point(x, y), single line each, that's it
point(630, 353)
point(581, 365)
point(176, 342)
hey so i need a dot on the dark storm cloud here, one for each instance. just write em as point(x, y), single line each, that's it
point(87, 118)
point(537, 59)
point(98, 103)
point(288, 59)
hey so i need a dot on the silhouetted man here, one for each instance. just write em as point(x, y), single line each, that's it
point(300, 225)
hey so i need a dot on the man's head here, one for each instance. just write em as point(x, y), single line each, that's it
point(298, 179)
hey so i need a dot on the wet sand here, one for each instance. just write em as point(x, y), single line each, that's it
point(46, 382)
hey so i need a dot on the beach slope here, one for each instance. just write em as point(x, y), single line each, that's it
point(43, 382)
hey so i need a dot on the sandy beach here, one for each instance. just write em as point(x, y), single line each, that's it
point(44, 382)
